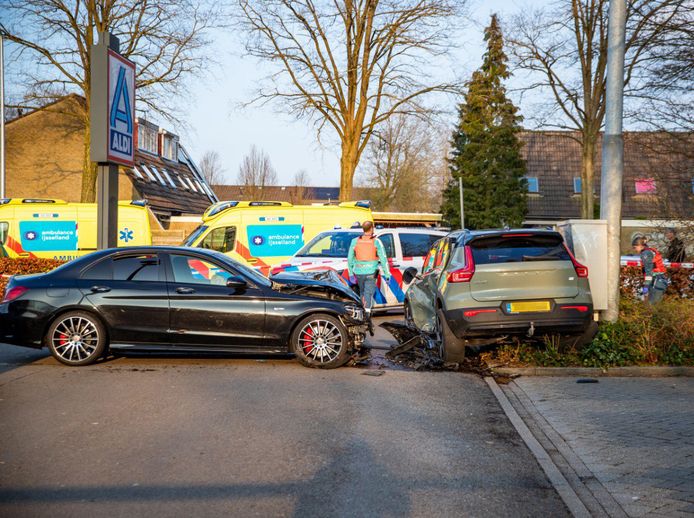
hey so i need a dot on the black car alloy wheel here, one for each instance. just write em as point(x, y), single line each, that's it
point(76, 338)
point(321, 341)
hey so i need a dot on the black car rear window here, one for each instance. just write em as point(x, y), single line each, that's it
point(515, 249)
point(141, 268)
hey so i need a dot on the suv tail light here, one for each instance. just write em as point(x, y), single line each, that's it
point(464, 274)
point(13, 293)
point(581, 271)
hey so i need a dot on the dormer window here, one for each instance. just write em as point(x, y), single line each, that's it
point(147, 134)
point(169, 146)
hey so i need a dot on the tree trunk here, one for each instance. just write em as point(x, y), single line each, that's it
point(88, 194)
point(587, 177)
point(348, 165)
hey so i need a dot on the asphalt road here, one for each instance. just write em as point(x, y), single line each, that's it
point(240, 437)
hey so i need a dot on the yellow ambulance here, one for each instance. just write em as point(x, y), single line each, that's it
point(55, 229)
point(266, 233)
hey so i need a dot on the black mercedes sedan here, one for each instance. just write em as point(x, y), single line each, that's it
point(178, 299)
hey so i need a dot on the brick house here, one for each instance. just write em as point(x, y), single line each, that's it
point(45, 150)
point(658, 175)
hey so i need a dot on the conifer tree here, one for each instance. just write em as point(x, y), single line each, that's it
point(486, 148)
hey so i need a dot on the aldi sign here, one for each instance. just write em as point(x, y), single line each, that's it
point(112, 108)
point(121, 109)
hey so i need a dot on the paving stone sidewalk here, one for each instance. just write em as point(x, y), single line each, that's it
point(636, 435)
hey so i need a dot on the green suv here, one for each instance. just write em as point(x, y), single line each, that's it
point(479, 287)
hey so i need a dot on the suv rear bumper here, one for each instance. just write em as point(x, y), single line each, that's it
point(488, 323)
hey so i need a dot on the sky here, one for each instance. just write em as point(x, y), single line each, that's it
point(216, 116)
point(217, 120)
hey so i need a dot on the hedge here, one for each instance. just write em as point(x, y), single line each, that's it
point(23, 266)
point(681, 284)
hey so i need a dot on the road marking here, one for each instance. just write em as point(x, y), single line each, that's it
point(566, 492)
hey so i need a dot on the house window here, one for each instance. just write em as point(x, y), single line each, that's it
point(577, 185)
point(169, 179)
point(192, 185)
point(148, 173)
point(533, 184)
point(645, 186)
point(169, 148)
point(158, 175)
point(147, 137)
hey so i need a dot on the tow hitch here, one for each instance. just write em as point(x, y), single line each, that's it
point(531, 331)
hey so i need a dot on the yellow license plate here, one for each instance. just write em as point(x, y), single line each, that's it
point(528, 307)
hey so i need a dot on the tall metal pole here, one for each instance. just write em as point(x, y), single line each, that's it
point(462, 204)
point(613, 152)
point(2, 115)
point(107, 173)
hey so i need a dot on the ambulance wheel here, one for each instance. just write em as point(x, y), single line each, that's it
point(76, 338)
point(321, 341)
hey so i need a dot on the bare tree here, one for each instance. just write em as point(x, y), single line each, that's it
point(301, 187)
point(211, 167)
point(256, 173)
point(405, 165)
point(162, 37)
point(669, 85)
point(349, 65)
point(565, 49)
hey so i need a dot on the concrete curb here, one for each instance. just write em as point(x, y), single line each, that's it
point(590, 372)
point(555, 476)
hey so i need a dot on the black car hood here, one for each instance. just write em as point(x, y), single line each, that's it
point(326, 280)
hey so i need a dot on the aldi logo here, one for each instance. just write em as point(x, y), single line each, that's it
point(121, 109)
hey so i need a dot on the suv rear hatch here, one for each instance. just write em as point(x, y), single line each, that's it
point(522, 266)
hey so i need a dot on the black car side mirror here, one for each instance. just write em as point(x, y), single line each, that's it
point(409, 275)
point(236, 282)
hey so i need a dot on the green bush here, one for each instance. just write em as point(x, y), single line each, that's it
point(660, 334)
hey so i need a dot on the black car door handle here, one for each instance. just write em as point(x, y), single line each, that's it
point(100, 289)
point(185, 291)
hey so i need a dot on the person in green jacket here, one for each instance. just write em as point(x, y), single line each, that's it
point(366, 254)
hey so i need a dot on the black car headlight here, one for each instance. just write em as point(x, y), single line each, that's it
point(355, 312)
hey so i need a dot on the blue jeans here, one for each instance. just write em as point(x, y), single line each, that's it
point(657, 289)
point(367, 288)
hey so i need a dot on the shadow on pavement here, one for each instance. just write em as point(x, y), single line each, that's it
point(12, 357)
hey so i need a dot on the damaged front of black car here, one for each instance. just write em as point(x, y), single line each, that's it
point(331, 336)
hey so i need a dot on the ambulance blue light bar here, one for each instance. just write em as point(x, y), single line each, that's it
point(221, 206)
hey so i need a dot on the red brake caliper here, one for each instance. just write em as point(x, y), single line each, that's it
point(308, 340)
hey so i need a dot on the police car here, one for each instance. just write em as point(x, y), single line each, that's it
point(404, 247)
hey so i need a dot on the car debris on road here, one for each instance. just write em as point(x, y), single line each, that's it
point(419, 351)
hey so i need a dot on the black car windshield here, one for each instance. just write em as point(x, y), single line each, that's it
point(329, 244)
point(249, 272)
point(194, 235)
point(521, 248)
